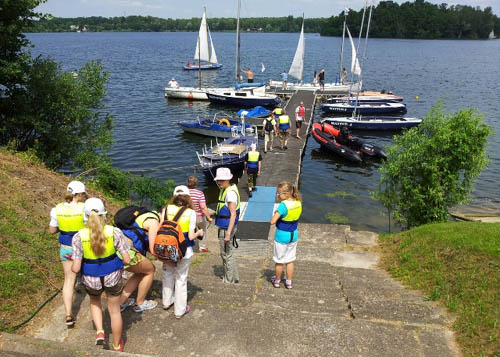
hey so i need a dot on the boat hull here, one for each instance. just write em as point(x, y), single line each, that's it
point(372, 108)
point(331, 88)
point(325, 141)
point(188, 93)
point(204, 67)
point(375, 122)
point(242, 101)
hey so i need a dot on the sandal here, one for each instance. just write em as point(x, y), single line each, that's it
point(288, 284)
point(70, 321)
point(128, 303)
point(188, 308)
point(146, 305)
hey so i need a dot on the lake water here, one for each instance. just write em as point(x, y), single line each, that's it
point(463, 74)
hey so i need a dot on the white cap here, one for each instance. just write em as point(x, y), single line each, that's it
point(181, 190)
point(76, 187)
point(253, 146)
point(223, 173)
point(94, 204)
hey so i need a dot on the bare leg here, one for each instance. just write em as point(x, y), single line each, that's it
point(68, 287)
point(116, 318)
point(289, 270)
point(278, 270)
point(96, 311)
point(142, 278)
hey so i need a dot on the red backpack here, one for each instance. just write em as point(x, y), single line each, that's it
point(170, 243)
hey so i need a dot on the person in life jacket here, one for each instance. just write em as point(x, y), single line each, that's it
point(67, 219)
point(300, 114)
point(252, 163)
point(277, 111)
point(95, 254)
point(142, 268)
point(226, 219)
point(174, 290)
point(284, 130)
point(269, 130)
point(286, 218)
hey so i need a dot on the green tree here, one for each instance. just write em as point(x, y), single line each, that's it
point(433, 167)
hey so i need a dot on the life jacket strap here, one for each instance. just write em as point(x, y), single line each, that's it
point(100, 260)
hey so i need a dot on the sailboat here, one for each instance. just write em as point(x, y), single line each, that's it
point(206, 57)
point(242, 97)
point(492, 36)
point(297, 70)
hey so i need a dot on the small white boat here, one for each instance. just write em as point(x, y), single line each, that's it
point(330, 88)
point(190, 93)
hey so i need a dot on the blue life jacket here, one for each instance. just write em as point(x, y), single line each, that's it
point(222, 212)
point(104, 264)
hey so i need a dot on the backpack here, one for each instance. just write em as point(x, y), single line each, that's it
point(170, 243)
point(125, 220)
point(269, 125)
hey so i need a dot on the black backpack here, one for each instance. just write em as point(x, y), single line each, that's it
point(269, 125)
point(125, 220)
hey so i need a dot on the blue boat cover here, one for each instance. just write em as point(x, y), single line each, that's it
point(255, 112)
point(247, 85)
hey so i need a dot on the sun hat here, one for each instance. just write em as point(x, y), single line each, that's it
point(181, 190)
point(223, 173)
point(76, 187)
point(94, 204)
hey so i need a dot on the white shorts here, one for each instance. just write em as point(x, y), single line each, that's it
point(284, 253)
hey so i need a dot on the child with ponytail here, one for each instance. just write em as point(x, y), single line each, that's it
point(94, 253)
point(286, 219)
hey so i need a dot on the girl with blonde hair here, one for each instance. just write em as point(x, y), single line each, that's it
point(94, 253)
point(286, 218)
point(67, 219)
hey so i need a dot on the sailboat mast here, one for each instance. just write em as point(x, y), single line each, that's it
point(303, 51)
point(237, 69)
point(199, 47)
point(359, 41)
point(341, 70)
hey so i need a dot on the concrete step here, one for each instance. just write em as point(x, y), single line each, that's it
point(327, 305)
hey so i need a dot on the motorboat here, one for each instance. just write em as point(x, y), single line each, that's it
point(220, 125)
point(229, 153)
point(247, 98)
point(343, 144)
point(371, 107)
point(368, 97)
point(388, 123)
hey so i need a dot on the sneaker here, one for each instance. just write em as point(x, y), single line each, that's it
point(167, 307)
point(99, 337)
point(146, 305)
point(128, 303)
point(288, 284)
point(185, 312)
point(255, 188)
point(120, 346)
point(203, 250)
point(286, 147)
point(249, 193)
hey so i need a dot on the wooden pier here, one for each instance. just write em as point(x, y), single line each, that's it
point(278, 165)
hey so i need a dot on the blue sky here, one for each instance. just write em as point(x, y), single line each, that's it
point(219, 8)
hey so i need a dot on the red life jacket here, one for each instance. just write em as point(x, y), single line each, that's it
point(302, 111)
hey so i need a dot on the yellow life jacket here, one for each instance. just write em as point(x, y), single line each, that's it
point(183, 220)
point(69, 221)
point(253, 160)
point(104, 264)
point(289, 223)
point(222, 212)
point(284, 122)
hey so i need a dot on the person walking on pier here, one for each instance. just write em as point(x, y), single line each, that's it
point(253, 161)
point(322, 79)
point(284, 130)
point(286, 218)
point(284, 78)
point(249, 74)
point(226, 219)
point(269, 130)
point(202, 212)
point(300, 114)
point(67, 219)
point(315, 79)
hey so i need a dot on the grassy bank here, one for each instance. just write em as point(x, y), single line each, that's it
point(30, 271)
point(458, 264)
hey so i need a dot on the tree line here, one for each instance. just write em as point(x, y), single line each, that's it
point(156, 24)
point(419, 20)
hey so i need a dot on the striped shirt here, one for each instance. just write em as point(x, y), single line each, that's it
point(198, 198)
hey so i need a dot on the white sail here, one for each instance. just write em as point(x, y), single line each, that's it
point(202, 52)
point(297, 67)
point(213, 56)
point(355, 67)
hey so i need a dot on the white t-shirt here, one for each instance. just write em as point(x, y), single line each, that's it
point(53, 215)
point(231, 197)
point(299, 117)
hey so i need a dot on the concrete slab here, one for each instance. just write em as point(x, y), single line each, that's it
point(356, 259)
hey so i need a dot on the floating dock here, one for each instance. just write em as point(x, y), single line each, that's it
point(277, 165)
